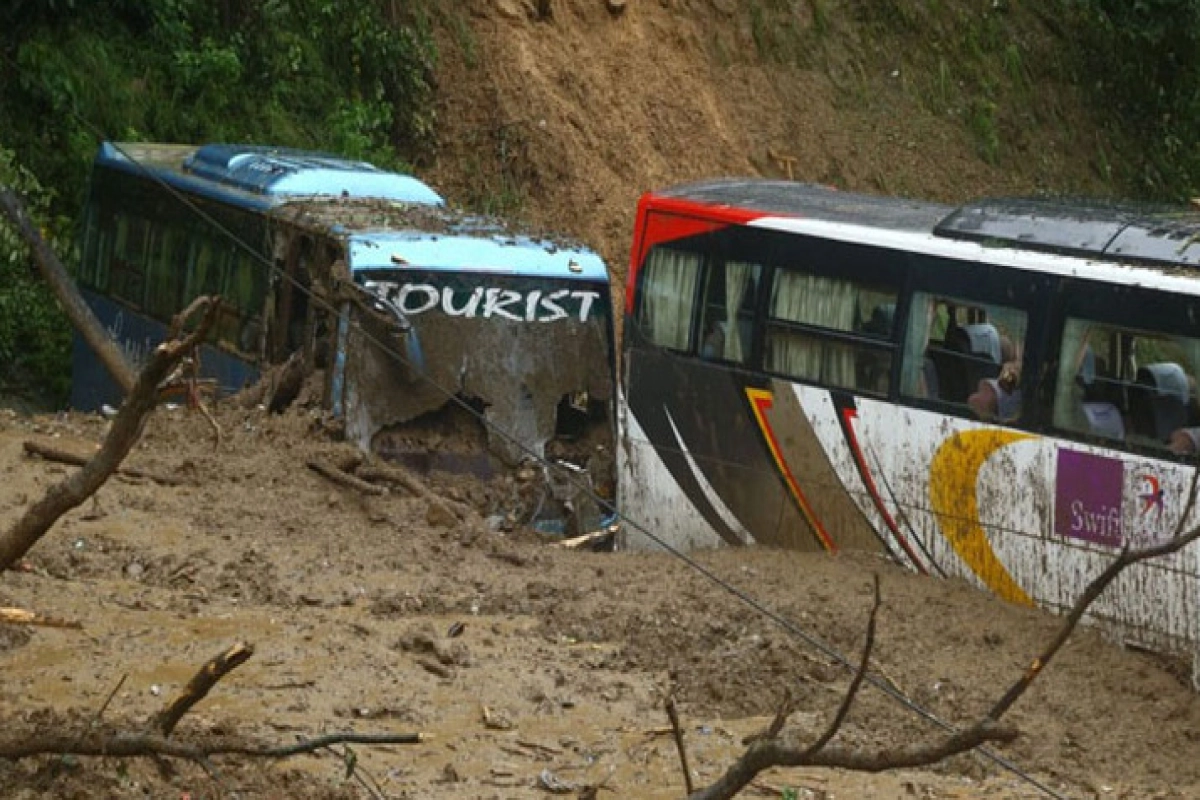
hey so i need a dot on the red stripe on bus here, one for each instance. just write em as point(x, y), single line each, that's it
point(850, 416)
point(761, 401)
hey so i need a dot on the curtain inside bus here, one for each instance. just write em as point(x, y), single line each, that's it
point(819, 301)
point(669, 297)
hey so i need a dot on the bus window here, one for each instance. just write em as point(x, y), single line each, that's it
point(207, 275)
point(730, 297)
point(1134, 387)
point(128, 264)
point(166, 271)
point(246, 293)
point(97, 241)
point(965, 353)
point(800, 303)
point(669, 297)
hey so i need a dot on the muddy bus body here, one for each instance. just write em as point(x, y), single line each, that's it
point(417, 316)
point(1002, 392)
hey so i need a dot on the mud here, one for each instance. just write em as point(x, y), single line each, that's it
point(561, 661)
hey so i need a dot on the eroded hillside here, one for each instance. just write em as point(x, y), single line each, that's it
point(567, 119)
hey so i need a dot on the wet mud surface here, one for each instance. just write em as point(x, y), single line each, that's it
point(523, 664)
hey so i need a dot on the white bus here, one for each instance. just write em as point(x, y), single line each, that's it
point(1003, 392)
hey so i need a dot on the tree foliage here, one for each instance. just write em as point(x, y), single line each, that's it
point(339, 75)
point(35, 338)
point(1144, 59)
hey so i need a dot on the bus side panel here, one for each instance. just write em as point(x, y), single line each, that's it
point(821, 500)
point(1034, 519)
point(692, 422)
point(743, 454)
point(137, 335)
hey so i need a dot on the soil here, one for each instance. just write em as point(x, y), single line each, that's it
point(562, 659)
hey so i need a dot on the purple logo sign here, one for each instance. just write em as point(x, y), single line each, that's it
point(1088, 496)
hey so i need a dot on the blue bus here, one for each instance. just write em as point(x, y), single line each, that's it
point(412, 312)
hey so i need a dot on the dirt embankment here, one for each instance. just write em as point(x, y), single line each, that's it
point(568, 119)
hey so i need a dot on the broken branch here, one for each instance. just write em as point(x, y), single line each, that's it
point(65, 457)
point(152, 744)
point(20, 616)
point(345, 479)
point(673, 714)
point(773, 751)
point(199, 686)
point(124, 433)
point(859, 676)
point(59, 280)
point(393, 473)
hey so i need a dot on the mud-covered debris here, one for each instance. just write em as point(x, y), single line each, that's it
point(439, 515)
point(425, 643)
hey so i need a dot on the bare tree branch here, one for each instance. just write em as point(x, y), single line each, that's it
point(152, 744)
point(771, 750)
point(66, 457)
point(200, 685)
point(855, 684)
point(126, 429)
point(156, 742)
point(342, 478)
point(673, 714)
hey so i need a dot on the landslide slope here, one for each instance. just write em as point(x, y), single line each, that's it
point(566, 119)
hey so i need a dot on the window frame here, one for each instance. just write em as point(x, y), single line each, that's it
point(1120, 307)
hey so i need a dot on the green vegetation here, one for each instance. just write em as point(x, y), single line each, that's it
point(1143, 58)
point(35, 338)
point(340, 75)
point(357, 78)
point(988, 65)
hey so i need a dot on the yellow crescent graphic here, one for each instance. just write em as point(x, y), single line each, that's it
point(952, 479)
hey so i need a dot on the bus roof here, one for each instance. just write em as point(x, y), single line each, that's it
point(1086, 228)
point(386, 235)
point(787, 198)
point(494, 254)
point(262, 177)
point(390, 221)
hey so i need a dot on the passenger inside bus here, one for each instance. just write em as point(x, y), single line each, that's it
point(1117, 396)
point(965, 353)
point(999, 399)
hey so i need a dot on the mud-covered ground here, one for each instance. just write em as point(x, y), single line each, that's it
point(564, 657)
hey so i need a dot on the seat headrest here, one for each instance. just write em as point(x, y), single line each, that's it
point(984, 339)
point(1167, 379)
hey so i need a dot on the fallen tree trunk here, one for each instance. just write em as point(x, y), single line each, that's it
point(78, 311)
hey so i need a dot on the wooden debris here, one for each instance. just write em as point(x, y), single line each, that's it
point(20, 616)
point(345, 479)
point(586, 539)
point(394, 473)
point(65, 457)
point(200, 685)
